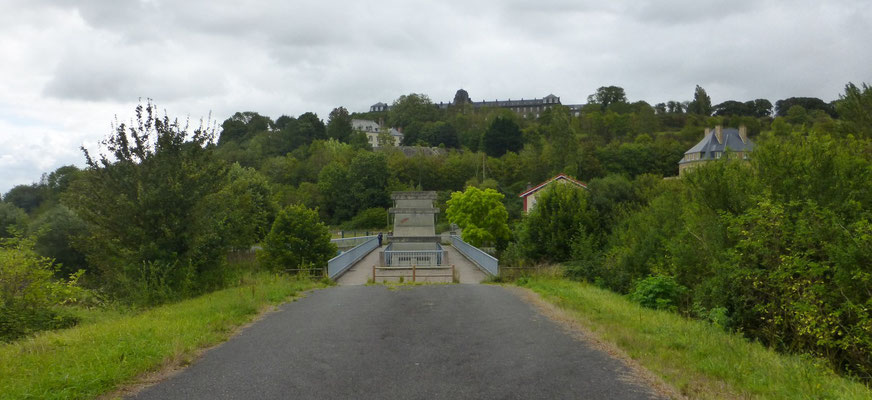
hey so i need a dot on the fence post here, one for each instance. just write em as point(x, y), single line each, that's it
point(452, 273)
point(373, 273)
point(413, 273)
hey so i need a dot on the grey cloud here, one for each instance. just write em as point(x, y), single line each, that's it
point(118, 73)
point(94, 56)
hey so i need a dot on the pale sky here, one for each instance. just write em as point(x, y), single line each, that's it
point(68, 68)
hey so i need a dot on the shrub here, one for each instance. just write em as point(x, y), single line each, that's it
point(11, 219)
point(371, 218)
point(29, 294)
point(659, 292)
point(298, 239)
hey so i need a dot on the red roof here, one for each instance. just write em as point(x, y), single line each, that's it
point(543, 184)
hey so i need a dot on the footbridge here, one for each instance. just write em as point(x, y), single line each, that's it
point(413, 253)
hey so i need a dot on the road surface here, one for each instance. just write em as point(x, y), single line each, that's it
point(412, 342)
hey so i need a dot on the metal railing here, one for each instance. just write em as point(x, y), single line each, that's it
point(485, 261)
point(394, 258)
point(339, 264)
point(345, 243)
point(414, 273)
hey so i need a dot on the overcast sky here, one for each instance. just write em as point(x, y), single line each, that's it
point(67, 70)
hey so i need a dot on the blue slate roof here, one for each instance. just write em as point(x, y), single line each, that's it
point(709, 145)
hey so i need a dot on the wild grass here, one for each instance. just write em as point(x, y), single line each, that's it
point(110, 348)
point(699, 359)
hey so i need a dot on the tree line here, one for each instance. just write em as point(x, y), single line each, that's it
point(151, 218)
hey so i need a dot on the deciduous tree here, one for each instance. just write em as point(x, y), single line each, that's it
point(481, 215)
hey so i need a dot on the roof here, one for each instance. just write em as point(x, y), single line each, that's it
point(710, 144)
point(379, 104)
point(556, 178)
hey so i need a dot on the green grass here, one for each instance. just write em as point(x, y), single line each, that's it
point(697, 358)
point(111, 348)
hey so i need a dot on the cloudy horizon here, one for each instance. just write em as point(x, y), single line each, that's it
point(69, 70)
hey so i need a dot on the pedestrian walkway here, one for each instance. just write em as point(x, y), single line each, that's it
point(361, 272)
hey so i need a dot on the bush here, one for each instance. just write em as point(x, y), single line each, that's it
point(658, 292)
point(12, 218)
point(371, 218)
point(297, 240)
point(29, 294)
point(55, 233)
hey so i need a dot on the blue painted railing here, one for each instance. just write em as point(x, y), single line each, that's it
point(485, 261)
point(339, 264)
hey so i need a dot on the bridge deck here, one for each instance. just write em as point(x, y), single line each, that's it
point(360, 272)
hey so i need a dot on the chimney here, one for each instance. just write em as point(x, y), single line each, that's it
point(707, 131)
point(719, 133)
point(743, 133)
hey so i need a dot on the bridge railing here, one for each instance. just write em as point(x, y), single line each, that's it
point(337, 265)
point(394, 258)
point(345, 243)
point(484, 260)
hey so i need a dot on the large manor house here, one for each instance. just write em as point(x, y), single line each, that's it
point(532, 107)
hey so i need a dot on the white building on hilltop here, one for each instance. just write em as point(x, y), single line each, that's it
point(372, 130)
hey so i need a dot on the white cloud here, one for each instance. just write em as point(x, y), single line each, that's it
point(69, 67)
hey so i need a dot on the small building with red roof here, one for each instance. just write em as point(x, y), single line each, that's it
point(531, 194)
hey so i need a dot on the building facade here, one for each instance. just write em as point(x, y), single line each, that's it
point(372, 130)
point(532, 107)
point(717, 143)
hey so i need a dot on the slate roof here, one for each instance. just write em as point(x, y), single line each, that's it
point(510, 103)
point(556, 178)
point(709, 145)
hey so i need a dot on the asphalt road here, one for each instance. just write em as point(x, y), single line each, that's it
point(422, 342)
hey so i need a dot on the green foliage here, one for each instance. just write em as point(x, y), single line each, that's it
point(481, 216)
point(782, 107)
point(26, 197)
point(29, 293)
point(560, 216)
point(12, 219)
point(297, 240)
point(435, 134)
point(411, 108)
point(607, 96)
point(240, 213)
point(339, 124)
point(56, 232)
point(777, 249)
point(147, 207)
point(370, 218)
point(659, 292)
point(243, 124)
point(701, 104)
point(759, 108)
point(503, 135)
point(855, 110)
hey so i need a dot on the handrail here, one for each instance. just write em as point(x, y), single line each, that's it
point(413, 257)
point(339, 264)
point(486, 262)
point(351, 241)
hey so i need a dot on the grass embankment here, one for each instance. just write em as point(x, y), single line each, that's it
point(696, 357)
point(113, 348)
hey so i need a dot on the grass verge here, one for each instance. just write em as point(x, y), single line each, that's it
point(700, 360)
point(96, 357)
